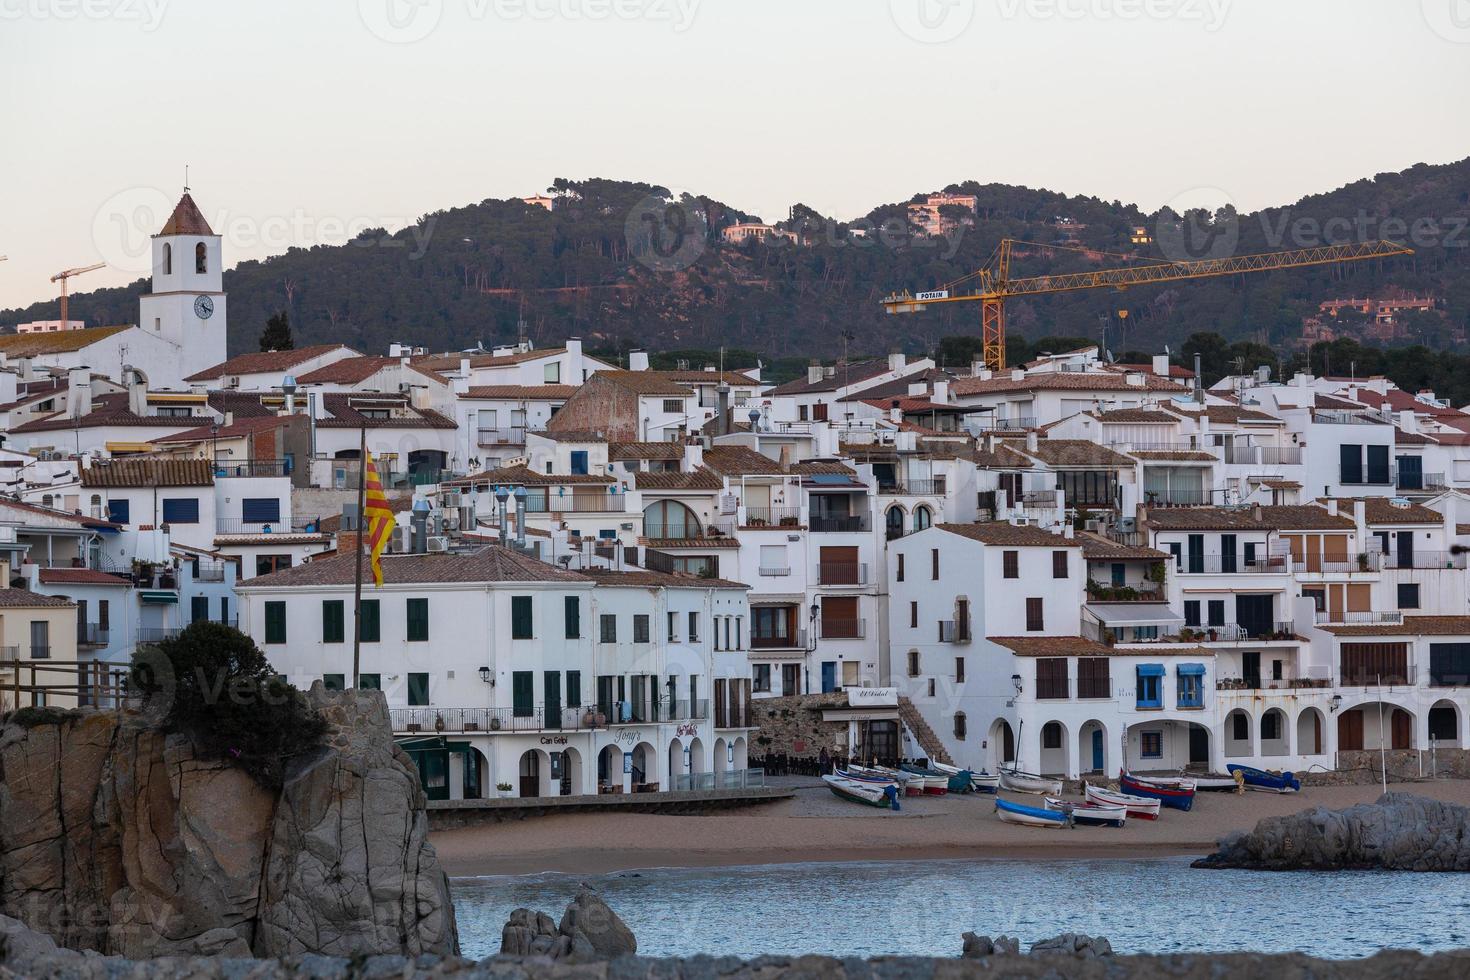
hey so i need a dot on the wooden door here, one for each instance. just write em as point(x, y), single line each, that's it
point(1401, 729)
point(1350, 731)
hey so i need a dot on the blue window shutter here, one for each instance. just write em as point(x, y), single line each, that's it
point(260, 510)
point(1150, 670)
point(117, 511)
point(181, 510)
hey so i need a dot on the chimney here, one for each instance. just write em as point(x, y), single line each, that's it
point(24, 365)
point(918, 389)
point(897, 361)
point(1408, 421)
point(1199, 382)
point(1257, 514)
point(722, 409)
point(419, 525)
point(814, 372)
point(785, 459)
point(1360, 512)
point(693, 455)
point(9, 387)
point(1018, 374)
point(1032, 442)
point(1332, 506)
point(1134, 379)
point(977, 370)
point(895, 411)
point(464, 367)
point(574, 349)
point(79, 392)
point(137, 391)
point(4, 573)
point(1161, 365)
point(941, 393)
point(637, 360)
point(986, 374)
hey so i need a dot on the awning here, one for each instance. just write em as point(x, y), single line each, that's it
point(1150, 670)
point(1134, 613)
point(169, 598)
point(1190, 669)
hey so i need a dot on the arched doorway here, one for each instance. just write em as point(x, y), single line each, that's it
point(1274, 733)
point(1444, 725)
point(676, 763)
point(610, 766)
point(1238, 741)
point(1001, 744)
point(1092, 747)
point(742, 756)
point(720, 762)
point(535, 774)
point(1310, 729)
point(645, 765)
point(893, 522)
point(571, 773)
point(1369, 727)
point(1052, 757)
point(923, 518)
point(669, 519)
point(698, 764)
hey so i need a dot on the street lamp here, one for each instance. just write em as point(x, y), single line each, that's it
point(1016, 680)
point(214, 446)
point(485, 676)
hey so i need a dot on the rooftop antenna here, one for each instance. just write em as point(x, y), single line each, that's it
point(186, 178)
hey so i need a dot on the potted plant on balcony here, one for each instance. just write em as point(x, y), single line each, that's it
point(1362, 561)
point(505, 791)
point(438, 721)
point(589, 719)
point(495, 724)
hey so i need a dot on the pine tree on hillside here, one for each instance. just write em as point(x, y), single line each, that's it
point(277, 333)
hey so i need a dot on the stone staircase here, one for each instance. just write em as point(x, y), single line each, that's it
point(923, 734)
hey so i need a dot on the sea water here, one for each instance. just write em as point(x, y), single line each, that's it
point(922, 907)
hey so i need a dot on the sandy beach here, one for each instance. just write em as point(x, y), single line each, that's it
point(816, 826)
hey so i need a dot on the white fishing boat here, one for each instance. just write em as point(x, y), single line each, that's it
point(1214, 782)
point(1141, 807)
point(875, 774)
point(1029, 782)
point(983, 782)
point(1099, 814)
point(912, 783)
point(1182, 784)
point(873, 794)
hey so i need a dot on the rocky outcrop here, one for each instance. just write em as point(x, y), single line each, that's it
point(978, 947)
point(116, 837)
point(589, 930)
point(1073, 944)
point(1399, 832)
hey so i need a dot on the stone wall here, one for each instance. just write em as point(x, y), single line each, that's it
point(1365, 768)
point(793, 726)
point(116, 837)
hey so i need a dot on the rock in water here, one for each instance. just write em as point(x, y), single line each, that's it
point(1073, 944)
point(1399, 832)
point(589, 930)
point(115, 837)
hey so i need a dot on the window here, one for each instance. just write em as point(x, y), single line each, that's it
point(418, 620)
point(1051, 735)
point(1153, 745)
point(198, 609)
point(265, 564)
point(1270, 726)
point(609, 628)
point(573, 607)
point(934, 564)
point(1094, 679)
point(334, 682)
point(913, 663)
point(332, 621)
point(260, 510)
point(669, 519)
point(574, 689)
point(523, 693)
point(1118, 574)
point(959, 725)
point(900, 568)
point(201, 266)
point(372, 622)
point(959, 670)
point(168, 259)
point(922, 518)
point(1217, 612)
point(117, 511)
point(418, 689)
point(1191, 686)
point(369, 682)
point(551, 373)
point(674, 406)
point(520, 618)
point(1150, 686)
point(931, 687)
point(1051, 678)
point(40, 640)
point(761, 677)
point(275, 622)
point(1034, 618)
point(579, 462)
point(1240, 727)
point(1058, 564)
point(1177, 551)
point(181, 510)
point(1010, 564)
point(694, 627)
point(1408, 595)
point(1191, 612)
point(673, 633)
point(914, 614)
point(640, 628)
point(739, 622)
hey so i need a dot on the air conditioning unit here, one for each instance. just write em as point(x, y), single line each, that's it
point(402, 542)
point(437, 544)
point(1094, 525)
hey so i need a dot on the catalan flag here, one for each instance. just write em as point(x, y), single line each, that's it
point(377, 517)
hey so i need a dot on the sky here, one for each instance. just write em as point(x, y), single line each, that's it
point(302, 122)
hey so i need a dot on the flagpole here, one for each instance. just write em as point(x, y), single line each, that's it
point(357, 576)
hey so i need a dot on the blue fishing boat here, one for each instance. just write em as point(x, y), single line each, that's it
point(1029, 816)
point(1279, 782)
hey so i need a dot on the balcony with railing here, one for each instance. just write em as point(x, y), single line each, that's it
point(844, 629)
point(795, 640)
point(1234, 565)
point(1421, 482)
point(1368, 476)
point(1033, 498)
point(1261, 455)
point(1160, 446)
point(773, 571)
point(252, 467)
point(771, 517)
point(524, 718)
point(500, 437)
point(238, 525)
point(208, 570)
point(1387, 617)
point(914, 488)
point(1423, 559)
point(1014, 423)
point(842, 573)
point(840, 524)
point(155, 634)
point(585, 503)
point(954, 631)
point(93, 635)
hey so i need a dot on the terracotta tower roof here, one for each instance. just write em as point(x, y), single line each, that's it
point(186, 219)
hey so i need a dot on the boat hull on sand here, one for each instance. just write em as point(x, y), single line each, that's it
point(1095, 814)
point(980, 782)
point(1028, 782)
point(1141, 807)
point(1277, 782)
point(1175, 798)
point(881, 795)
point(1029, 816)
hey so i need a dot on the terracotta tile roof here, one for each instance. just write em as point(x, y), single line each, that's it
point(696, 377)
point(449, 360)
point(899, 387)
point(1095, 547)
point(79, 576)
point(1074, 452)
point(1227, 414)
point(910, 404)
point(645, 450)
point(571, 435)
point(12, 598)
point(1062, 381)
point(1051, 646)
point(1003, 457)
point(488, 564)
point(701, 479)
point(343, 413)
point(514, 476)
point(58, 515)
point(265, 362)
point(1175, 371)
point(357, 369)
point(242, 404)
point(821, 467)
point(1399, 400)
point(61, 342)
point(736, 425)
point(1402, 438)
point(1281, 484)
point(186, 219)
point(842, 377)
point(697, 544)
point(1332, 403)
point(741, 461)
point(1173, 455)
point(1411, 626)
point(1010, 535)
point(248, 425)
point(521, 392)
point(1286, 517)
point(36, 391)
point(645, 383)
point(109, 409)
point(156, 471)
point(1379, 510)
point(646, 578)
point(1149, 415)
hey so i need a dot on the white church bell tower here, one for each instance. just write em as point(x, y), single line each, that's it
point(186, 308)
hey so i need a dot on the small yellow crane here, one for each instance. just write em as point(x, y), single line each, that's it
point(994, 284)
point(62, 277)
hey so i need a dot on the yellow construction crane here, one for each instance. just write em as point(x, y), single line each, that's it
point(62, 277)
point(994, 284)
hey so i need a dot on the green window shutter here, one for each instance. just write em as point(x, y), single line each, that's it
point(371, 621)
point(332, 626)
point(574, 689)
point(523, 693)
point(418, 689)
point(418, 620)
point(198, 608)
point(275, 622)
point(334, 682)
point(574, 617)
point(369, 682)
point(551, 684)
point(520, 617)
